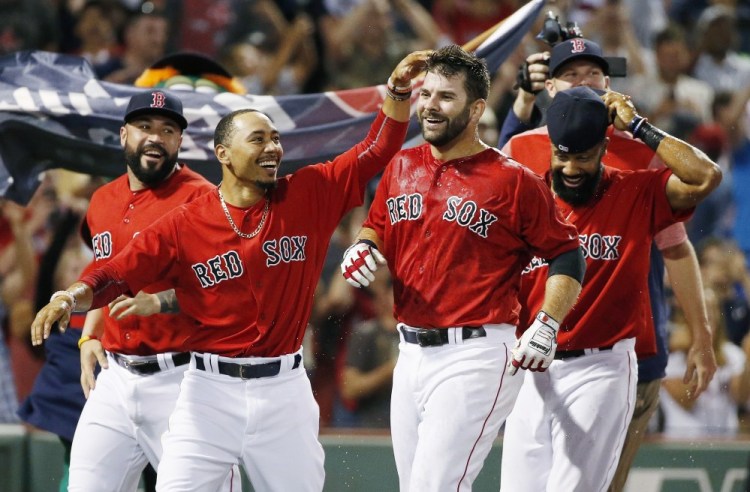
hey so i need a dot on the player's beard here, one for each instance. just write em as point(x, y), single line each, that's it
point(266, 185)
point(582, 193)
point(453, 128)
point(150, 176)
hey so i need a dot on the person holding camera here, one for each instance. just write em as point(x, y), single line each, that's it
point(580, 62)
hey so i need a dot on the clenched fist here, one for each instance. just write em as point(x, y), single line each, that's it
point(361, 261)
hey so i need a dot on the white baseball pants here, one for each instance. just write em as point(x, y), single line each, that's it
point(121, 427)
point(447, 406)
point(270, 424)
point(568, 427)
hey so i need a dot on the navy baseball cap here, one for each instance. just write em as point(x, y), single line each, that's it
point(577, 120)
point(576, 48)
point(156, 102)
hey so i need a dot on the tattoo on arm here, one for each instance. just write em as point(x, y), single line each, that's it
point(168, 302)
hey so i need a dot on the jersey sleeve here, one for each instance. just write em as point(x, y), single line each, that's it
point(346, 177)
point(544, 229)
point(376, 217)
point(671, 236)
point(147, 258)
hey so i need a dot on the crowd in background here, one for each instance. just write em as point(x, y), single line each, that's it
point(688, 72)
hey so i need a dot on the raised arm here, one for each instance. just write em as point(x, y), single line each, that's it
point(694, 174)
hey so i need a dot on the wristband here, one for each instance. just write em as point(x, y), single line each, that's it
point(650, 135)
point(635, 124)
point(398, 89)
point(65, 293)
point(398, 96)
point(548, 320)
point(85, 339)
point(369, 243)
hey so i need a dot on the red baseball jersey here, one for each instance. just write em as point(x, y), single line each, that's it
point(457, 235)
point(616, 230)
point(532, 149)
point(115, 216)
point(253, 297)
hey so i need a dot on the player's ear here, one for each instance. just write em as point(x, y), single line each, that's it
point(222, 154)
point(123, 135)
point(477, 109)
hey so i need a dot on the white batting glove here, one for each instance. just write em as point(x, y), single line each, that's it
point(361, 261)
point(535, 350)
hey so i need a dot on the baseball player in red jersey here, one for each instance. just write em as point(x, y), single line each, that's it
point(457, 222)
point(122, 422)
point(579, 62)
point(244, 260)
point(569, 423)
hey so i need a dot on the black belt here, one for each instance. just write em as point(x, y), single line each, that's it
point(435, 337)
point(248, 371)
point(146, 367)
point(571, 354)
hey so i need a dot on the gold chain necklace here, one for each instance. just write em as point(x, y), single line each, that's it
point(234, 226)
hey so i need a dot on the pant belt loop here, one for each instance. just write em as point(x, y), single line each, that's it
point(165, 361)
point(457, 335)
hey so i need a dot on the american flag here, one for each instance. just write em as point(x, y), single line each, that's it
point(54, 113)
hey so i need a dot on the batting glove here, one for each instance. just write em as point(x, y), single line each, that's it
point(535, 350)
point(361, 260)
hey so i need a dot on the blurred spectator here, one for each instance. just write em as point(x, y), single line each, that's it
point(724, 273)
point(27, 25)
point(96, 32)
point(364, 42)
point(371, 354)
point(489, 131)
point(671, 99)
point(715, 411)
point(463, 20)
point(145, 38)
point(619, 41)
point(718, 62)
point(651, 18)
point(56, 400)
point(14, 283)
point(275, 69)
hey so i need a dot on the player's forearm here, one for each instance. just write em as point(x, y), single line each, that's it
point(370, 235)
point(683, 270)
point(100, 287)
point(560, 294)
point(699, 174)
point(168, 302)
point(94, 324)
point(523, 106)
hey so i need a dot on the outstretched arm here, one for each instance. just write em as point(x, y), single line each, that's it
point(694, 174)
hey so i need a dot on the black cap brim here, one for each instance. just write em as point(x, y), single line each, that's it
point(176, 117)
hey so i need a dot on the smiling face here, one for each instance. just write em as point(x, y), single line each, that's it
point(250, 150)
point(442, 108)
point(151, 144)
point(575, 177)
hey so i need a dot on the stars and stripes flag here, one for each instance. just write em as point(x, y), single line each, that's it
point(54, 113)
